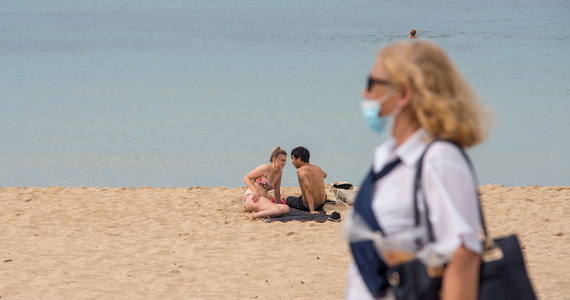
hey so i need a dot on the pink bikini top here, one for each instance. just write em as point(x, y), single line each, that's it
point(264, 183)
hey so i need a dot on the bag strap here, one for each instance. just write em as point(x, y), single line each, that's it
point(418, 188)
point(363, 201)
point(366, 257)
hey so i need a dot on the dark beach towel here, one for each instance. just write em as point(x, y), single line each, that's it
point(300, 215)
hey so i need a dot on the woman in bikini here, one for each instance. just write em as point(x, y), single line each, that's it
point(260, 181)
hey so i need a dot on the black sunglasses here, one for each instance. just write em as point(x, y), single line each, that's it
point(373, 81)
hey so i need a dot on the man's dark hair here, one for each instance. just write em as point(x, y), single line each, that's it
point(301, 152)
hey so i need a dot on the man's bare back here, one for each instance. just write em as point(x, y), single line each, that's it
point(311, 180)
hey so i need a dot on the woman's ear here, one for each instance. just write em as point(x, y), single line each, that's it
point(406, 95)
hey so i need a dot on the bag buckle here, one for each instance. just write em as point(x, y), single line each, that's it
point(492, 254)
point(492, 251)
point(435, 271)
point(394, 279)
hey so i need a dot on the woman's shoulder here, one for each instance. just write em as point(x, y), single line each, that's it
point(266, 169)
point(264, 166)
point(443, 146)
point(446, 162)
point(445, 153)
point(260, 171)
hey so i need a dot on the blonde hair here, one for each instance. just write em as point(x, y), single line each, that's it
point(276, 152)
point(443, 102)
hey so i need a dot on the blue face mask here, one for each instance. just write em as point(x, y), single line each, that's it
point(370, 113)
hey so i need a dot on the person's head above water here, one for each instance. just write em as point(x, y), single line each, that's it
point(412, 33)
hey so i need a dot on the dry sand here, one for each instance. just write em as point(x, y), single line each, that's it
point(197, 243)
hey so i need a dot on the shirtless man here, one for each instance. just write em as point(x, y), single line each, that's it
point(311, 180)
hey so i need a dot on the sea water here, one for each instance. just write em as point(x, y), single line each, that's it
point(197, 93)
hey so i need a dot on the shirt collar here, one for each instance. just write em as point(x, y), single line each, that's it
point(411, 150)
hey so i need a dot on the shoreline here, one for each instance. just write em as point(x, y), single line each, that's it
point(145, 242)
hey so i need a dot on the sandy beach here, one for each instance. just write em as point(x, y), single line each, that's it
point(198, 243)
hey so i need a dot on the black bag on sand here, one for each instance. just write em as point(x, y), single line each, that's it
point(502, 276)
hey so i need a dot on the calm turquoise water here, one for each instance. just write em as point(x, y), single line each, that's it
point(197, 93)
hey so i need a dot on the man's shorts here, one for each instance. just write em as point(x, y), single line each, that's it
point(297, 202)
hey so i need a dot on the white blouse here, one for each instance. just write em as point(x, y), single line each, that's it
point(450, 194)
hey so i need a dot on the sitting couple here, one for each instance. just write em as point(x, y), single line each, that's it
point(267, 177)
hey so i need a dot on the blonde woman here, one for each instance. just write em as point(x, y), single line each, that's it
point(260, 181)
point(416, 91)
